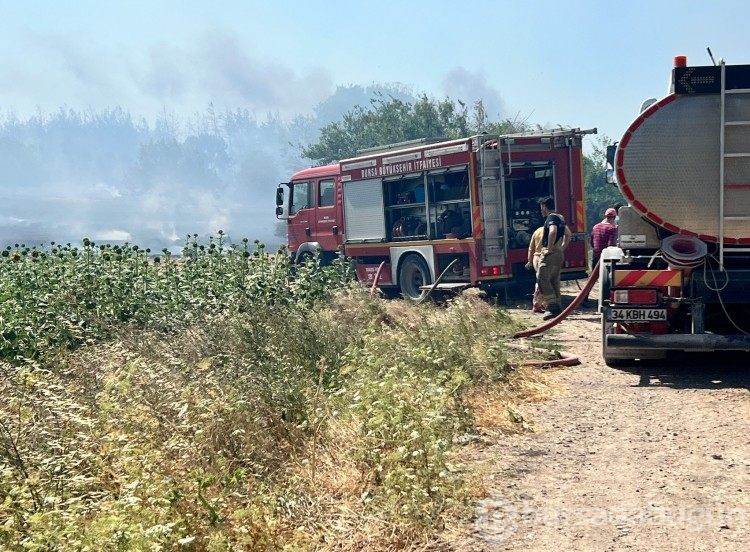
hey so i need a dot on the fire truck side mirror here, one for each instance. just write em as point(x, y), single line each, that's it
point(279, 211)
point(279, 197)
point(611, 151)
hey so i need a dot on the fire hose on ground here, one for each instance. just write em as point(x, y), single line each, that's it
point(377, 278)
point(565, 359)
point(429, 291)
point(437, 281)
point(567, 310)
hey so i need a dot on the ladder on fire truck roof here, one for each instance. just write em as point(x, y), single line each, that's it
point(491, 200)
point(402, 145)
point(731, 148)
point(551, 132)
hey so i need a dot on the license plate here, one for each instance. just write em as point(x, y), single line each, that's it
point(637, 315)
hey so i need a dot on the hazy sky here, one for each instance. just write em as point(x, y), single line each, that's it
point(584, 63)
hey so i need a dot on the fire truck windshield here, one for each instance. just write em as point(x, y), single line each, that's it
point(301, 197)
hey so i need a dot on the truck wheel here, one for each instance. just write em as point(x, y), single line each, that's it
point(412, 274)
point(305, 258)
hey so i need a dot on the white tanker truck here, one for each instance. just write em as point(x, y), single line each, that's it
point(679, 279)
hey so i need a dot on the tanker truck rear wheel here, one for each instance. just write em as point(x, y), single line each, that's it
point(413, 273)
point(608, 328)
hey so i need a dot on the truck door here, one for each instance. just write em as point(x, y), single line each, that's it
point(327, 228)
point(301, 214)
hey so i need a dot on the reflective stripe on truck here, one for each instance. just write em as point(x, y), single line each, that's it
point(644, 278)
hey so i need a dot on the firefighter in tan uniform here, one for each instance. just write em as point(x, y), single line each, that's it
point(555, 240)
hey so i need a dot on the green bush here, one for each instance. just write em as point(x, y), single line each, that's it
point(406, 386)
point(57, 298)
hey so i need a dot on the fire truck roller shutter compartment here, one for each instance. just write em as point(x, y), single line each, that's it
point(363, 211)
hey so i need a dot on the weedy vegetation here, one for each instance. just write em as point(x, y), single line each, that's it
point(228, 400)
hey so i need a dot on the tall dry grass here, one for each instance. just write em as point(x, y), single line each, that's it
point(335, 427)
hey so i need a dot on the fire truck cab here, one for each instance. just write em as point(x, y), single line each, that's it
point(440, 213)
point(311, 204)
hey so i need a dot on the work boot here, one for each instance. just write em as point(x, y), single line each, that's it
point(553, 312)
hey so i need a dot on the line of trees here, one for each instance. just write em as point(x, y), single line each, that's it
point(391, 120)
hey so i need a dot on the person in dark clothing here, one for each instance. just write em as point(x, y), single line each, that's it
point(555, 240)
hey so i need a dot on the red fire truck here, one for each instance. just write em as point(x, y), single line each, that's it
point(418, 207)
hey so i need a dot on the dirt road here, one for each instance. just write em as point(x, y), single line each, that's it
point(653, 457)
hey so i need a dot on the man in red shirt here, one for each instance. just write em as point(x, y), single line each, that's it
point(603, 235)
